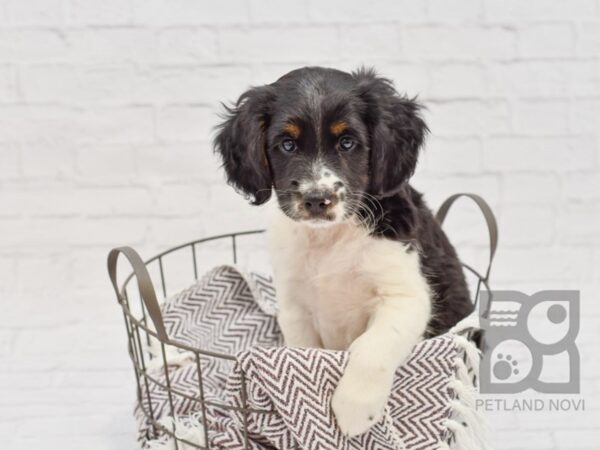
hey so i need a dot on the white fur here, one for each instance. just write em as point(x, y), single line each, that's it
point(324, 179)
point(319, 179)
point(340, 288)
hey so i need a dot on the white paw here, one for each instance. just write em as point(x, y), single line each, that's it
point(358, 402)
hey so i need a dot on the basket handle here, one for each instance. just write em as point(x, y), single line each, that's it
point(146, 288)
point(488, 215)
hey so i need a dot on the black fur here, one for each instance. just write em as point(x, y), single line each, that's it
point(388, 132)
point(407, 218)
point(241, 143)
point(397, 132)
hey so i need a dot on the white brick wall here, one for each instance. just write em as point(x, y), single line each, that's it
point(105, 113)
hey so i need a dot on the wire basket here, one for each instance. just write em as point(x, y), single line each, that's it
point(144, 322)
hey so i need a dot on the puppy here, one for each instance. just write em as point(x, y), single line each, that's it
point(360, 263)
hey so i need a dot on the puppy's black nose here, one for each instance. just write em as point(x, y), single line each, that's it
point(316, 204)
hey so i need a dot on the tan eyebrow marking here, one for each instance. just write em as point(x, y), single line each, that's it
point(338, 127)
point(293, 130)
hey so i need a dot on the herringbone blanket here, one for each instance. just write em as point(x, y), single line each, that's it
point(231, 312)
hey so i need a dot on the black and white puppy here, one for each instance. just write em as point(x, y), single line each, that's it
point(359, 261)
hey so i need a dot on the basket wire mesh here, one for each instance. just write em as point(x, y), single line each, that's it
point(148, 322)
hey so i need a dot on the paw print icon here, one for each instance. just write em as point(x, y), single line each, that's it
point(505, 367)
point(530, 342)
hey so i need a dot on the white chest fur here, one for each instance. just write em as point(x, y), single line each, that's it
point(340, 288)
point(330, 280)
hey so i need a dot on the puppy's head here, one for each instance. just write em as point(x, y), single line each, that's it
point(325, 141)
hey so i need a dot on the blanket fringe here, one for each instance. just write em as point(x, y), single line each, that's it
point(465, 425)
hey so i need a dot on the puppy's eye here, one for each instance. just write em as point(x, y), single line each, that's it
point(346, 143)
point(288, 145)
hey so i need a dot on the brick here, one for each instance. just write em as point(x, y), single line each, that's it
point(275, 44)
point(179, 161)
point(539, 154)
point(508, 11)
point(528, 225)
point(89, 278)
point(531, 188)
point(502, 420)
point(457, 44)
point(75, 85)
point(234, 211)
point(547, 266)
point(578, 224)
point(90, 379)
point(176, 230)
point(588, 43)
point(584, 116)
point(186, 12)
point(468, 118)
point(547, 40)
point(107, 12)
point(596, 264)
point(8, 268)
point(34, 12)
point(26, 380)
point(32, 45)
point(108, 231)
point(185, 123)
point(544, 78)
point(110, 46)
point(8, 84)
point(94, 201)
point(274, 11)
point(438, 188)
point(519, 439)
point(590, 366)
point(265, 73)
point(88, 425)
point(447, 156)
point(582, 187)
point(458, 80)
point(68, 397)
point(51, 233)
point(102, 161)
point(181, 200)
point(588, 337)
point(454, 10)
point(580, 439)
point(411, 79)
point(369, 41)
point(339, 11)
point(31, 342)
point(541, 118)
point(20, 121)
point(47, 159)
point(9, 161)
point(97, 442)
point(198, 85)
point(67, 124)
point(187, 45)
point(50, 272)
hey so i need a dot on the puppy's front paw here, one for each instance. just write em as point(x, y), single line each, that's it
point(359, 401)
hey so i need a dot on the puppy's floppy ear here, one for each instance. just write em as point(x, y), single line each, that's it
point(396, 131)
point(241, 142)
